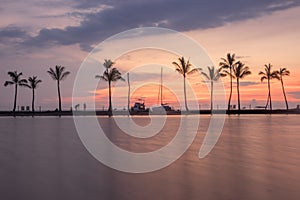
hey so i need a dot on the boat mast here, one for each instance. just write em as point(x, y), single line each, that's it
point(128, 98)
point(161, 86)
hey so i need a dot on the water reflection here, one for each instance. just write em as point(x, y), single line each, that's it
point(256, 157)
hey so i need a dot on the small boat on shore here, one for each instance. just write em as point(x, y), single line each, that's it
point(139, 107)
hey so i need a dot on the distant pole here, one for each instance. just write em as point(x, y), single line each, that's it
point(161, 86)
point(128, 96)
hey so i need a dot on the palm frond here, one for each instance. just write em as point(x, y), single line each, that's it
point(59, 70)
point(8, 83)
point(115, 75)
point(283, 72)
point(274, 75)
point(52, 74)
point(58, 73)
point(205, 75)
point(102, 78)
point(262, 73)
point(245, 73)
point(179, 70)
point(227, 73)
point(22, 81)
point(38, 81)
point(263, 78)
point(194, 71)
point(108, 63)
point(33, 82)
point(13, 74)
point(64, 75)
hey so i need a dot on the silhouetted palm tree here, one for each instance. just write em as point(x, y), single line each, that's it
point(268, 74)
point(212, 76)
point(58, 74)
point(17, 81)
point(32, 84)
point(283, 72)
point(228, 63)
point(240, 71)
point(110, 75)
point(184, 68)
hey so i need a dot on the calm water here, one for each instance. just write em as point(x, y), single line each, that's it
point(256, 157)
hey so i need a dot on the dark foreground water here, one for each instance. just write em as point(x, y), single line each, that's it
point(256, 157)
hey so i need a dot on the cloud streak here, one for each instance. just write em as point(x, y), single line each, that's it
point(295, 95)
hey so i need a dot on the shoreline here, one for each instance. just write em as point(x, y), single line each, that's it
point(122, 113)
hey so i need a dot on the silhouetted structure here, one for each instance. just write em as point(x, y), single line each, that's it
point(240, 71)
point(283, 72)
point(128, 96)
point(32, 84)
point(110, 75)
point(17, 81)
point(58, 74)
point(228, 63)
point(268, 74)
point(184, 68)
point(212, 76)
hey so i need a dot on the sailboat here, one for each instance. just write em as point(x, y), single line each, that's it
point(163, 107)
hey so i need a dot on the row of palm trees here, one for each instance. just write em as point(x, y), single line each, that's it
point(58, 74)
point(228, 66)
point(268, 74)
point(235, 69)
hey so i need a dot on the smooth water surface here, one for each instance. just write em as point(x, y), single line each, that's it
point(256, 157)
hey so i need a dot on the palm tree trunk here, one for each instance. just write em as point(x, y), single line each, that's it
point(16, 94)
point(270, 98)
point(109, 98)
point(238, 91)
point(283, 90)
point(184, 89)
point(59, 97)
point(211, 96)
point(230, 94)
point(267, 104)
point(32, 103)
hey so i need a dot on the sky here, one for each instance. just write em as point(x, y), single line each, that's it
point(38, 34)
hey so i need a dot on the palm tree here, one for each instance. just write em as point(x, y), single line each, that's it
point(110, 75)
point(32, 84)
point(268, 74)
point(228, 63)
point(283, 72)
point(17, 81)
point(240, 71)
point(212, 76)
point(184, 68)
point(58, 74)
